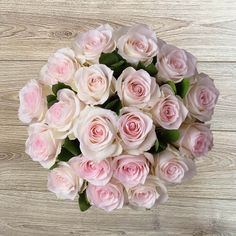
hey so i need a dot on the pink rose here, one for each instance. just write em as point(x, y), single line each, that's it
point(96, 173)
point(136, 130)
point(32, 102)
point(61, 115)
point(196, 139)
point(137, 88)
point(147, 195)
point(91, 44)
point(108, 197)
point(137, 43)
point(97, 133)
point(202, 97)
point(41, 145)
point(169, 112)
point(95, 84)
point(63, 182)
point(131, 170)
point(173, 168)
point(175, 64)
point(61, 67)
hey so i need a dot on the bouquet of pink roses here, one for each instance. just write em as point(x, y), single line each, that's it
point(118, 118)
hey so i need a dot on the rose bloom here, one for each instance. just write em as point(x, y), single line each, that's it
point(175, 64)
point(89, 45)
point(94, 84)
point(32, 102)
point(137, 88)
point(136, 130)
point(131, 170)
point(173, 168)
point(63, 182)
point(41, 145)
point(97, 133)
point(96, 173)
point(60, 115)
point(150, 194)
point(202, 97)
point(137, 43)
point(196, 139)
point(108, 197)
point(169, 112)
point(61, 67)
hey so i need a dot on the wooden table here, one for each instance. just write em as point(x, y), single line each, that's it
point(31, 30)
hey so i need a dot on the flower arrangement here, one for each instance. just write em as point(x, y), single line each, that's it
point(118, 118)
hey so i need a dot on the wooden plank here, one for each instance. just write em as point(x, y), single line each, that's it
point(15, 74)
point(215, 179)
point(40, 33)
point(37, 213)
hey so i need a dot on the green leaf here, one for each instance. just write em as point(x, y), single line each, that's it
point(73, 146)
point(172, 85)
point(51, 99)
point(151, 68)
point(109, 58)
point(59, 86)
point(53, 166)
point(168, 136)
point(64, 155)
point(83, 201)
point(156, 145)
point(117, 64)
point(113, 103)
point(183, 87)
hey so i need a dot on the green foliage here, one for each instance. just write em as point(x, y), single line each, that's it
point(113, 103)
point(51, 99)
point(172, 85)
point(183, 87)
point(151, 68)
point(59, 86)
point(164, 137)
point(84, 204)
point(73, 146)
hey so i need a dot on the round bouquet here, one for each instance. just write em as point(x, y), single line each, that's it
point(118, 118)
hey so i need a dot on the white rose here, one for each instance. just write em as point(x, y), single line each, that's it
point(90, 45)
point(97, 133)
point(137, 88)
point(94, 84)
point(61, 115)
point(138, 43)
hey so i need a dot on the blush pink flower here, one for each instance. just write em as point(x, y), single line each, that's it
point(150, 194)
point(136, 130)
point(131, 170)
point(196, 139)
point(32, 102)
point(61, 115)
point(137, 88)
point(96, 173)
point(97, 132)
point(61, 67)
point(175, 64)
point(41, 145)
point(94, 84)
point(169, 112)
point(137, 43)
point(63, 182)
point(173, 168)
point(108, 197)
point(89, 45)
point(201, 97)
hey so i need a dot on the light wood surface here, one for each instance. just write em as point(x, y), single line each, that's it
point(31, 30)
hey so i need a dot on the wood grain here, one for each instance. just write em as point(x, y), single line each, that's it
point(30, 31)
